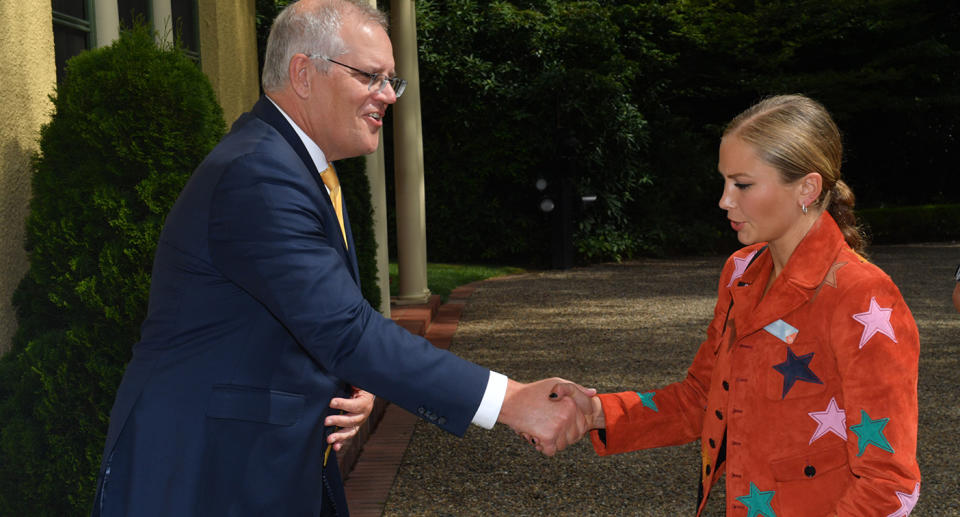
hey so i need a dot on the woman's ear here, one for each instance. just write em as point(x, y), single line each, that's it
point(810, 187)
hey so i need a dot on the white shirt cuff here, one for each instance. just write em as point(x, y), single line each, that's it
point(489, 409)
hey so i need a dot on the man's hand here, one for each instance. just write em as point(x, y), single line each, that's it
point(550, 424)
point(588, 405)
point(353, 412)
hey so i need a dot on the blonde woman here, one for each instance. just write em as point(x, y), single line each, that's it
point(804, 393)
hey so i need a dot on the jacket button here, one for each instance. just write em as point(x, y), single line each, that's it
point(719, 414)
point(726, 386)
point(442, 420)
point(421, 410)
point(708, 470)
point(809, 471)
point(713, 444)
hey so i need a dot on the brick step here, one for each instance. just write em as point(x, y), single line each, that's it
point(369, 462)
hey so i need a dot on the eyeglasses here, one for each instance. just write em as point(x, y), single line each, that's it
point(377, 81)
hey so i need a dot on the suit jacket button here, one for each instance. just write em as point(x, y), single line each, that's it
point(713, 444)
point(809, 471)
point(726, 386)
point(442, 421)
point(421, 410)
point(719, 414)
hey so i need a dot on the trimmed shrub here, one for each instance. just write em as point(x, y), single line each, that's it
point(907, 224)
point(356, 197)
point(513, 93)
point(131, 121)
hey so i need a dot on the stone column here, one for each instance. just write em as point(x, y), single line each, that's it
point(376, 176)
point(106, 25)
point(162, 16)
point(408, 161)
point(228, 53)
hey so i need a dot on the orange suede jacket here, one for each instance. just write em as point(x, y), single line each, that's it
point(806, 399)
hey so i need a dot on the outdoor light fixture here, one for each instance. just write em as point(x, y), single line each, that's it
point(546, 203)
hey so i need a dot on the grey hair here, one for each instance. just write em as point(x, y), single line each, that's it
point(311, 30)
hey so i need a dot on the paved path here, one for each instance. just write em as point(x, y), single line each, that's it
point(617, 327)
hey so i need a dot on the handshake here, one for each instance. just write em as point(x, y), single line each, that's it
point(551, 414)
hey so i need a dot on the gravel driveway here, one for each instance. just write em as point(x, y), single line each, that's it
point(631, 326)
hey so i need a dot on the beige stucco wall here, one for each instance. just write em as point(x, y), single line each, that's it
point(27, 77)
point(228, 53)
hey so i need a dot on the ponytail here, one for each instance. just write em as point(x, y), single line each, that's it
point(839, 203)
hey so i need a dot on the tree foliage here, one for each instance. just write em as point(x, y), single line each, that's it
point(516, 92)
point(645, 89)
point(131, 121)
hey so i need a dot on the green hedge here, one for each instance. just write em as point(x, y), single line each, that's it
point(356, 197)
point(131, 121)
point(904, 224)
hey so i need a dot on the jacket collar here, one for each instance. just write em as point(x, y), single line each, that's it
point(806, 269)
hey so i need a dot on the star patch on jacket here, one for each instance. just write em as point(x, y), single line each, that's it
point(796, 369)
point(875, 321)
point(870, 432)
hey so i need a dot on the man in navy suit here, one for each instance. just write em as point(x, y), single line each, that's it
point(257, 337)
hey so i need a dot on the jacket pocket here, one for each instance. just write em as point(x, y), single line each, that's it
point(809, 465)
point(252, 404)
point(811, 483)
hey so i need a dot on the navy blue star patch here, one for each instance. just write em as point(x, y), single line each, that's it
point(796, 369)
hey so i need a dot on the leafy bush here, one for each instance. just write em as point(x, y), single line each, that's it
point(903, 224)
point(131, 122)
point(356, 197)
point(644, 87)
point(512, 94)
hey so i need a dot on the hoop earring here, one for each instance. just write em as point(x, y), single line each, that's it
point(803, 208)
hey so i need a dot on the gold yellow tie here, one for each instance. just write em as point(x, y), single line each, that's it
point(329, 177)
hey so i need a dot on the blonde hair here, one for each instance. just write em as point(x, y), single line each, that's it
point(797, 136)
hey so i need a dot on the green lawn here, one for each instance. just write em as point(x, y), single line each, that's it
point(444, 278)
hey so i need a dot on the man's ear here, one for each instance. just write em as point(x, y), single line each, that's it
point(810, 187)
point(298, 74)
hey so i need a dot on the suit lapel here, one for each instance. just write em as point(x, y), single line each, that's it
point(266, 111)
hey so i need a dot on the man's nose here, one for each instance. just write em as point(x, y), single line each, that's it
point(387, 94)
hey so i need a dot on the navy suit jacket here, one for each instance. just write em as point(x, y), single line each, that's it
point(255, 322)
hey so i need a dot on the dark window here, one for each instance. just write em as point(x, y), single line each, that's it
point(71, 31)
point(185, 25)
point(130, 10)
point(74, 8)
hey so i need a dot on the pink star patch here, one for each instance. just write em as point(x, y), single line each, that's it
point(740, 265)
point(877, 319)
point(907, 502)
point(833, 420)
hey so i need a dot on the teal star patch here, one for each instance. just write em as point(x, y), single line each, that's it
point(758, 503)
point(647, 400)
point(871, 432)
